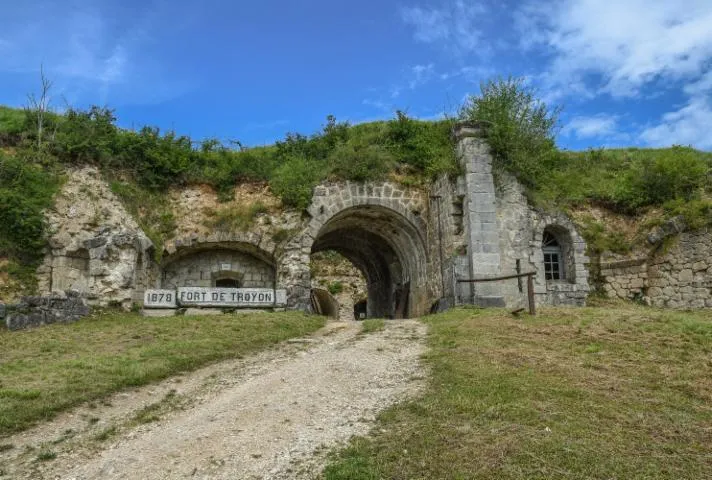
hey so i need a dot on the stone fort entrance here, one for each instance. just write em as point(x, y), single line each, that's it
point(411, 243)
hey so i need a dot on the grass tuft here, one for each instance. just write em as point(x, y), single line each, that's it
point(372, 325)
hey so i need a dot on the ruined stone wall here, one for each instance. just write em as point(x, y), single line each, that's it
point(449, 234)
point(35, 311)
point(674, 274)
point(521, 230)
point(202, 269)
point(420, 240)
point(96, 248)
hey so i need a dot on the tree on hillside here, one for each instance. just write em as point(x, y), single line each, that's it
point(37, 108)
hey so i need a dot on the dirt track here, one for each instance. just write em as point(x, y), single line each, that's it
point(274, 415)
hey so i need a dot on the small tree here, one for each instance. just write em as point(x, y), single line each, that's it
point(519, 128)
point(37, 108)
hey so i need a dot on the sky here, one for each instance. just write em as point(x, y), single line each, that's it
point(625, 72)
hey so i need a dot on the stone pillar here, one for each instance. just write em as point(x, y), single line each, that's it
point(293, 272)
point(480, 215)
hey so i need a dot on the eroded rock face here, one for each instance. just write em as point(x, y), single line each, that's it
point(96, 247)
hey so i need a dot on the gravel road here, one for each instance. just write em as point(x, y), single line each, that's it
point(274, 415)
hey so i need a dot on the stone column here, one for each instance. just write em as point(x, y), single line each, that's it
point(293, 272)
point(480, 214)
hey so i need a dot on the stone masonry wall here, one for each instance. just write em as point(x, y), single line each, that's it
point(677, 274)
point(201, 269)
point(42, 310)
point(521, 230)
point(480, 216)
point(450, 231)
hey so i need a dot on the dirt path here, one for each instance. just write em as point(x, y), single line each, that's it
point(274, 415)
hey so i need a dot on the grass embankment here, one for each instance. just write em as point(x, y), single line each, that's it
point(49, 369)
point(612, 393)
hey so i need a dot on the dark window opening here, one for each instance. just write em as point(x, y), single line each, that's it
point(227, 283)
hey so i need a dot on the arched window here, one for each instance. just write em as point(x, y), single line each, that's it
point(553, 258)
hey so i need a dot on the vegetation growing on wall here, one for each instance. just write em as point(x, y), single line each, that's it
point(521, 130)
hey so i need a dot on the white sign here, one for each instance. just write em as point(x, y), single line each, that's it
point(230, 297)
point(160, 299)
point(215, 297)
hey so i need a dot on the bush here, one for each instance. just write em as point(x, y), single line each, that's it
point(295, 179)
point(669, 174)
point(12, 126)
point(519, 128)
point(336, 287)
point(360, 163)
point(26, 190)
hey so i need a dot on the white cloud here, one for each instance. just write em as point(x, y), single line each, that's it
point(420, 75)
point(92, 54)
point(689, 124)
point(628, 43)
point(600, 125)
point(454, 27)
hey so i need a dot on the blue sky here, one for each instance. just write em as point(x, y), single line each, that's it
point(629, 72)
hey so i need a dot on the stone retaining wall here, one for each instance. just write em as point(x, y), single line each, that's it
point(677, 273)
point(36, 311)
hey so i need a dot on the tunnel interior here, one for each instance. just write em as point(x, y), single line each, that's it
point(386, 248)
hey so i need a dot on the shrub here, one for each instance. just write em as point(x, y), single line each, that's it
point(26, 190)
point(519, 128)
point(653, 179)
point(12, 126)
point(361, 163)
point(336, 287)
point(295, 179)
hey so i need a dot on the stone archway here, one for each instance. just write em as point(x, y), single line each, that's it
point(379, 228)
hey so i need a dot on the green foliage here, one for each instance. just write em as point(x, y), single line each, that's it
point(599, 238)
point(12, 126)
point(519, 128)
point(669, 174)
point(361, 163)
point(336, 287)
point(150, 209)
point(26, 190)
point(85, 137)
point(697, 212)
point(295, 179)
point(156, 160)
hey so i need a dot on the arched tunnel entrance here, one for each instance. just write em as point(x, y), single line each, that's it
point(390, 252)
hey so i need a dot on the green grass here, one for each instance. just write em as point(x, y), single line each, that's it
point(619, 392)
point(372, 325)
point(46, 370)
